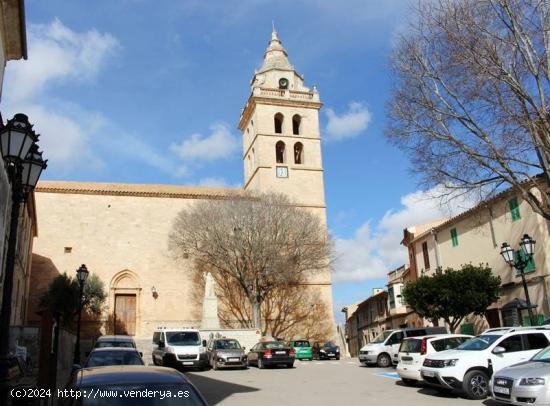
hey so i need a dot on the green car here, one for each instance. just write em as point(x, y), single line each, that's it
point(302, 348)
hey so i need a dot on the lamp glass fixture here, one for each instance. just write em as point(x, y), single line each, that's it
point(16, 138)
point(33, 165)
point(507, 253)
point(82, 273)
point(527, 245)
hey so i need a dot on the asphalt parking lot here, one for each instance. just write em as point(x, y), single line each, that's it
point(343, 382)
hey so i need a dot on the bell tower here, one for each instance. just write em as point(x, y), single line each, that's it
point(281, 138)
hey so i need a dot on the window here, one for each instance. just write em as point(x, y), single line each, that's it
point(426, 255)
point(512, 344)
point(454, 237)
point(298, 151)
point(280, 152)
point(536, 341)
point(519, 256)
point(279, 123)
point(391, 297)
point(514, 208)
point(296, 121)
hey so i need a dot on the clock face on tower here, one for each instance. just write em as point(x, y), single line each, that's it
point(283, 83)
point(282, 172)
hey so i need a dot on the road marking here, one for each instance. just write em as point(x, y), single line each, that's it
point(391, 375)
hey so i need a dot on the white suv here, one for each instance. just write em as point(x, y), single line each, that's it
point(471, 365)
point(179, 347)
point(415, 350)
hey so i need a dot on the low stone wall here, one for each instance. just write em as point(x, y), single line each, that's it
point(247, 337)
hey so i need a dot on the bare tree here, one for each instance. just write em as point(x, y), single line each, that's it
point(470, 101)
point(260, 242)
point(292, 311)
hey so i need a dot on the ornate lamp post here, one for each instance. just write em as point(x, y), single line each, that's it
point(81, 275)
point(24, 164)
point(527, 245)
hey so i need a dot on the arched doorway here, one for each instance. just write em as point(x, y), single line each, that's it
point(124, 297)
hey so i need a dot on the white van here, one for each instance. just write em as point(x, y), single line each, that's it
point(179, 347)
point(383, 350)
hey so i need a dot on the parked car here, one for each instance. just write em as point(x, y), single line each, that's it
point(527, 382)
point(115, 341)
point(106, 356)
point(414, 350)
point(121, 380)
point(327, 350)
point(383, 350)
point(269, 353)
point(302, 348)
point(179, 347)
point(225, 353)
point(470, 366)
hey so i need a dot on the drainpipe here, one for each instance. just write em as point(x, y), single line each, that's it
point(436, 247)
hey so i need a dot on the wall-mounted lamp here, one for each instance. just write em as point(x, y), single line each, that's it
point(154, 292)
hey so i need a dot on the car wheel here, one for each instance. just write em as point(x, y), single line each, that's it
point(291, 365)
point(154, 361)
point(337, 358)
point(409, 382)
point(476, 385)
point(311, 359)
point(384, 361)
point(261, 363)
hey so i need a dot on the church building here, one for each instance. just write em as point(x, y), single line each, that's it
point(120, 231)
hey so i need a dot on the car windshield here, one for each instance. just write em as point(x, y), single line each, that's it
point(119, 344)
point(381, 337)
point(412, 345)
point(228, 345)
point(274, 344)
point(543, 356)
point(105, 358)
point(301, 344)
point(183, 338)
point(479, 343)
point(140, 394)
point(329, 344)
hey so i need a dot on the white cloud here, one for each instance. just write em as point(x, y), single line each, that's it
point(57, 53)
point(219, 144)
point(356, 258)
point(65, 140)
point(349, 124)
point(371, 253)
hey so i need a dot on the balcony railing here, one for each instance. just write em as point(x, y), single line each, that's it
point(285, 93)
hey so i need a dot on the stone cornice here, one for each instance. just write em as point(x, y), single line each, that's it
point(136, 190)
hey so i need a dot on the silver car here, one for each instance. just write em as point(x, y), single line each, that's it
point(226, 353)
point(524, 383)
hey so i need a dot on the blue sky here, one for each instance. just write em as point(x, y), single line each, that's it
point(151, 91)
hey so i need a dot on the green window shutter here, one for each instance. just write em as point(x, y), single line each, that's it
point(514, 208)
point(467, 328)
point(454, 237)
point(539, 320)
point(520, 256)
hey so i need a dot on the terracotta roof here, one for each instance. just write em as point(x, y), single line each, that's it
point(139, 190)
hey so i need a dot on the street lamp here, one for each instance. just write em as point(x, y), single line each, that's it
point(527, 245)
point(24, 164)
point(81, 275)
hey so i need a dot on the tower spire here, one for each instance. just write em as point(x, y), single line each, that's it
point(275, 55)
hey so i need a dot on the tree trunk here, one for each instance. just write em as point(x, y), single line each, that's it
point(257, 313)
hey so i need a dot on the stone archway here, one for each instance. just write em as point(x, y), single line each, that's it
point(124, 298)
